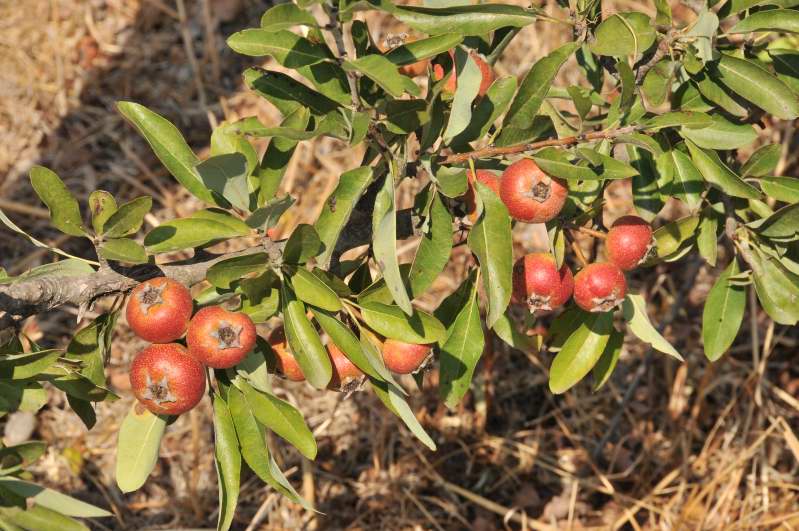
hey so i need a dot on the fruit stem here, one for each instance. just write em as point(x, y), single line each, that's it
point(591, 232)
point(578, 252)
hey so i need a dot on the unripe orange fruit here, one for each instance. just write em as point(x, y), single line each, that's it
point(404, 358)
point(159, 310)
point(451, 85)
point(629, 242)
point(166, 379)
point(599, 287)
point(346, 375)
point(530, 194)
point(538, 283)
point(219, 338)
point(286, 364)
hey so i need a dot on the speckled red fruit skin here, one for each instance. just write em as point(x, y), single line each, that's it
point(345, 373)
point(286, 364)
point(451, 85)
point(628, 242)
point(486, 177)
point(211, 350)
point(531, 195)
point(599, 287)
point(170, 363)
point(162, 321)
point(404, 358)
point(538, 283)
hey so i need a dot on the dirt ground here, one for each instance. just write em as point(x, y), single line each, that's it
point(690, 446)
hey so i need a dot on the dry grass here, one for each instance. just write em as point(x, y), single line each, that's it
point(696, 446)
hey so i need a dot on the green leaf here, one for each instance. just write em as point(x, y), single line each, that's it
point(490, 240)
point(262, 296)
point(687, 183)
point(101, 206)
point(406, 116)
point(786, 65)
point(51, 499)
point(478, 19)
point(353, 348)
point(267, 216)
point(723, 313)
point(169, 146)
point(488, 109)
point(137, 448)
point(581, 351)
point(228, 463)
point(712, 89)
point(91, 346)
point(227, 175)
point(782, 224)
point(671, 236)
point(384, 73)
point(718, 174)
point(785, 20)
point(634, 310)
point(285, 16)
point(461, 351)
point(416, 51)
point(253, 445)
point(390, 321)
point(187, 233)
point(302, 245)
point(288, 49)
point(707, 237)
point(286, 93)
point(759, 86)
point(310, 289)
point(452, 182)
point(506, 329)
point(606, 166)
point(27, 365)
point(646, 192)
point(338, 207)
point(305, 343)
point(607, 361)
point(384, 243)
point(128, 218)
point(434, 249)
point(518, 125)
point(658, 80)
point(283, 419)
point(391, 396)
point(777, 287)
point(70, 267)
point(556, 162)
point(622, 34)
point(276, 158)
point(763, 161)
point(37, 518)
point(721, 134)
point(469, 78)
point(64, 210)
point(781, 188)
point(688, 119)
point(222, 274)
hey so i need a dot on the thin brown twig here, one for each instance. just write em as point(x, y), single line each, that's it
point(590, 232)
point(493, 151)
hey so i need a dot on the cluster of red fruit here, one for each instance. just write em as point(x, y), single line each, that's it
point(532, 196)
point(166, 377)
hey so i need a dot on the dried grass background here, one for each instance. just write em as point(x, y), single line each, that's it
point(695, 446)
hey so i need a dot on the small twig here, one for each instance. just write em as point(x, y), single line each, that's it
point(663, 48)
point(578, 251)
point(591, 232)
point(493, 151)
point(335, 30)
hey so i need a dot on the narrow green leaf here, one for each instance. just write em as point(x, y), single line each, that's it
point(128, 218)
point(186, 233)
point(687, 183)
point(101, 206)
point(267, 216)
point(302, 245)
point(276, 158)
point(556, 162)
point(384, 73)
point(689, 119)
point(338, 207)
point(286, 93)
point(763, 161)
point(782, 224)
point(723, 313)
point(282, 418)
point(469, 79)
point(222, 274)
point(228, 463)
point(717, 173)
point(305, 343)
point(721, 134)
point(64, 210)
point(384, 243)
point(413, 52)
point(311, 290)
point(461, 351)
point(288, 49)
point(392, 322)
point(392, 398)
point(646, 192)
point(27, 365)
point(434, 249)
point(634, 310)
point(137, 448)
point(581, 351)
point(776, 286)
point(785, 20)
point(606, 363)
point(624, 34)
point(781, 188)
point(490, 239)
point(759, 86)
point(226, 175)
point(51, 499)
point(285, 16)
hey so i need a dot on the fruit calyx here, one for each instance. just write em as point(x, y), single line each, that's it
point(542, 190)
point(158, 392)
point(150, 296)
point(228, 335)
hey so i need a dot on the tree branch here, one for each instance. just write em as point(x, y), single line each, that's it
point(493, 151)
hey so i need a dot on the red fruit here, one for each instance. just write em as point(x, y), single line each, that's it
point(538, 283)
point(530, 194)
point(629, 242)
point(166, 379)
point(159, 310)
point(452, 84)
point(599, 287)
point(487, 178)
point(219, 338)
point(346, 376)
point(404, 358)
point(418, 68)
point(286, 364)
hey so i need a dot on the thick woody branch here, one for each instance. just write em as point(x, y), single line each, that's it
point(493, 151)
